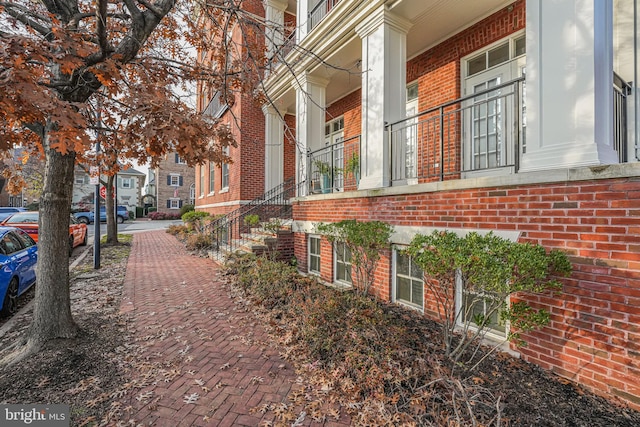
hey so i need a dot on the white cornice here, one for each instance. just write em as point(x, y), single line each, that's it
point(279, 5)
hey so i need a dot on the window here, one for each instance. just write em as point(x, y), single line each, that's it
point(408, 284)
point(201, 181)
point(174, 180)
point(496, 55)
point(81, 179)
point(343, 263)
point(225, 170)
point(180, 160)
point(126, 183)
point(475, 307)
point(174, 203)
point(489, 135)
point(314, 254)
point(212, 174)
point(192, 194)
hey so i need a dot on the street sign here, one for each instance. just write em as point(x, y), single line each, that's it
point(94, 175)
point(103, 192)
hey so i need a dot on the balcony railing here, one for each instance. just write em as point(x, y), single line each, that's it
point(335, 167)
point(319, 11)
point(461, 138)
point(621, 89)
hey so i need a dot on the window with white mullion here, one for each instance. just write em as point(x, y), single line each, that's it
point(408, 281)
point(314, 254)
point(343, 263)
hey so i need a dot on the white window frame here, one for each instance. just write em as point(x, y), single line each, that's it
point(225, 172)
point(177, 180)
point(180, 160)
point(173, 201)
point(411, 304)
point(212, 178)
point(129, 182)
point(311, 255)
point(491, 333)
point(511, 67)
point(345, 262)
point(201, 180)
point(80, 179)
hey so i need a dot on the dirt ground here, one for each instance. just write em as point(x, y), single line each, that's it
point(91, 372)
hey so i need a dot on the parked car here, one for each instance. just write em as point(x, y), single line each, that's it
point(7, 211)
point(28, 221)
point(18, 259)
point(122, 214)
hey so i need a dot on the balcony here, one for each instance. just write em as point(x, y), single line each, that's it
point(335, 167)
point(318, 12)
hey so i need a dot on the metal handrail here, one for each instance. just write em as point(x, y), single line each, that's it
point(326, 166)
point(429, 145)
point(276, 203)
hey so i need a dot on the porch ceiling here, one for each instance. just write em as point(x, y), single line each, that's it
point(432, 21)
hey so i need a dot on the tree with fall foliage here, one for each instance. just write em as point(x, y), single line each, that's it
point(65, 63)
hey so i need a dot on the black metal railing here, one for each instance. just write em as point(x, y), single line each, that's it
point(489, 123)
point(227, 231)
point(319, 11)
point(335, 167)
point(621, 90)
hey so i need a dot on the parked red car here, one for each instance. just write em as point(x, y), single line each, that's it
point(28, 221)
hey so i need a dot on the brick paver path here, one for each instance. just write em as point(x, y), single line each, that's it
point(200, 359)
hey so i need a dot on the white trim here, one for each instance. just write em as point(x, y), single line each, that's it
point(335, 266)
point(408, 304)
point(222, 204)
point(309, 237)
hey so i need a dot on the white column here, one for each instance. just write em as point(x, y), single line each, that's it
point(301, 20)
point(384, 81)
point(274, 148)
point(569, 98)
point(310, 119)
point(274, 31)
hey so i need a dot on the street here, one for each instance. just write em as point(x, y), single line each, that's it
point(132, 226)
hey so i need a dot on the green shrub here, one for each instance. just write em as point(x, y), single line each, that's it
point(365, 240)
point(251, 220)
point(490, 269)
point(186, 208)
point(193, 216)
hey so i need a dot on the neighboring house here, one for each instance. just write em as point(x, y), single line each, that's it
point(33, 178)
point(130, 183)
point(223, 188)
point(172, 184)
point(507, 116)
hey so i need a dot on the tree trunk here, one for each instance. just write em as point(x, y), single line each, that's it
point(52, 312)
point(112, 227)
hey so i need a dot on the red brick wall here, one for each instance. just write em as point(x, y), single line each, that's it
point(290, 149)
point(438, 69)
point(594, 335)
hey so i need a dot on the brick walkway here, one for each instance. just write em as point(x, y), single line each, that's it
point(200, 358)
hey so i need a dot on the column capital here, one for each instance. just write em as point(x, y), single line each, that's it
point(305, 79)
point(382, 16)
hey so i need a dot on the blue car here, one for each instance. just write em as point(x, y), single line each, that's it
point(18, 259)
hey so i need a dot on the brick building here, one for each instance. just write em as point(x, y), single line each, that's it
point(516, 117)
point(507, 116)
point(256, 166)
point(172, 184)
